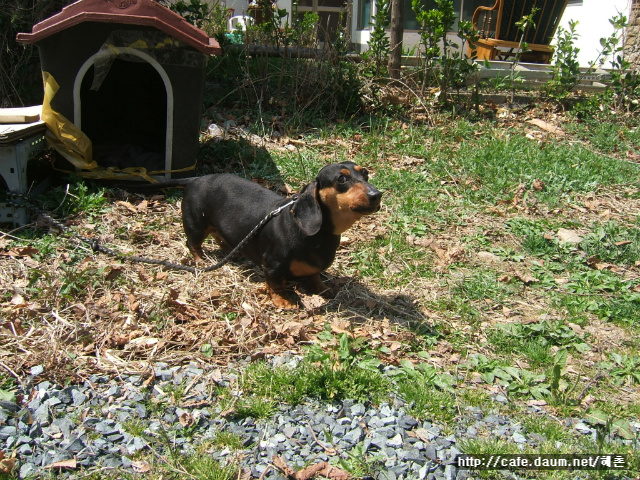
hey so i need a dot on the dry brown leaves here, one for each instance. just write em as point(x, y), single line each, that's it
point(102, 315)
point(7, 463)
point(323, 469)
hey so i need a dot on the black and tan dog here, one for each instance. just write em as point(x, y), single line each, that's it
point(300, 242)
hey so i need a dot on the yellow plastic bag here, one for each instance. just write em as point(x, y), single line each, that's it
point(62, 134)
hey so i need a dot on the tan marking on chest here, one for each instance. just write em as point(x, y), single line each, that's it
point(302, 269)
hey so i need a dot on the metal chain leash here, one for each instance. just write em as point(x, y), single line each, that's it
point(97, 247)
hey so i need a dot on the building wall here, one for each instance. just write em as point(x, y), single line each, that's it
point(632, 42)
point(593, 24)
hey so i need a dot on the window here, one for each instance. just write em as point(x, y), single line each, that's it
point(364, 14)
point(410, 23)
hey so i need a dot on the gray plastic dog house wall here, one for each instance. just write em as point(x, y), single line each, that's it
point(131, 77)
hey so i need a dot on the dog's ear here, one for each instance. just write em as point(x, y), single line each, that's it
point(306, 211)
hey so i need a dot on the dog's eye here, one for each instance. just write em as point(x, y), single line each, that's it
point(342, 179)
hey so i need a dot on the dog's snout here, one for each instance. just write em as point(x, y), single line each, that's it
point(374, 195)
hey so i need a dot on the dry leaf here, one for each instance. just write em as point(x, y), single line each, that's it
point(216, 375)
point(588, 400)
point(128, 206)
point(20, 252)
point(312, 302)
point(291, 328)
point(161, 275)
point(18, 300)
point(140, 466)
point(186, 419)
point(143, 342)
point(595, 262)
point(71, 463)
point(569, 236)
point(424, 435)
point(114, 273)
point(228, 412)
point(488, 257)
point(526, 278)
point(280, 463)
point(249, 309)
point(6, 463)
point(244, 474)
point(538, 185)
point(545, 126)
point(339, 329)
point(324, 469)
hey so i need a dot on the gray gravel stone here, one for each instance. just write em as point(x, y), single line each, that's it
point(41, 416)
point(431, 452)
point(395, 442)
point(86, 421)
point(450, 472)
point(27, 470)
point(9, 407)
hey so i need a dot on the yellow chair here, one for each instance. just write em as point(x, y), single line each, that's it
point(500, 37)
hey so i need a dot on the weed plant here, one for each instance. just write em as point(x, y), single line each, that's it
point(444, 64)
point(613, 243)
point(566, 68)
point(346, 370)
point(379, 46)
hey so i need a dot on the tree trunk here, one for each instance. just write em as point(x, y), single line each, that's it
point(395, 40)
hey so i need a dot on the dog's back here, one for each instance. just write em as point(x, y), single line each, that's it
point(225, 206)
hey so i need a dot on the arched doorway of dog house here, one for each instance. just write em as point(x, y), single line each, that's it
point(129, 118)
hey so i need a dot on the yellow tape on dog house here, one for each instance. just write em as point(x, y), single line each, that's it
point(62, 134)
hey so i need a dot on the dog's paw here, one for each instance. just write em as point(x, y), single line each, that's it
point(283, 302)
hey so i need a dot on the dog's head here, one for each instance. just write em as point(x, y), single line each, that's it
point(343, 191)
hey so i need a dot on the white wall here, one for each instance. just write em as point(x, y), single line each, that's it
point(241, 6)
point(593, 24)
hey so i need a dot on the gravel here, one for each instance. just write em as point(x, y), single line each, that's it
point(106, 423)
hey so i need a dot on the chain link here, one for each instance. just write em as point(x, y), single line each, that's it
point(97, 247)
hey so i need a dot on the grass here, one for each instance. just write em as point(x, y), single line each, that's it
point(342, 374)
point(459, 289)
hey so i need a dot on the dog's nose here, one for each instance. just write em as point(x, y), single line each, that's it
point(374, 195)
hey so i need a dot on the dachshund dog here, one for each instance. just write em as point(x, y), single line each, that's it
point(298, 243)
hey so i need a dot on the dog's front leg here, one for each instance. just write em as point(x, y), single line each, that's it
point(315, 285)
point(276, 286)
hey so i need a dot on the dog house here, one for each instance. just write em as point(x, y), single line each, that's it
point(131, 77)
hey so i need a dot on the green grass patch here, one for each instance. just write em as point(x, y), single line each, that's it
point(603, 294)
point(501, 164)
point(613, 243)
point(481, 286)
point(429, 392)
point(346, 369)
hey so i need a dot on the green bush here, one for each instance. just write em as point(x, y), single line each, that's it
point(20, 77)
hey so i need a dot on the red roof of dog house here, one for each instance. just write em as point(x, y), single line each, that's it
point(133, 12)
